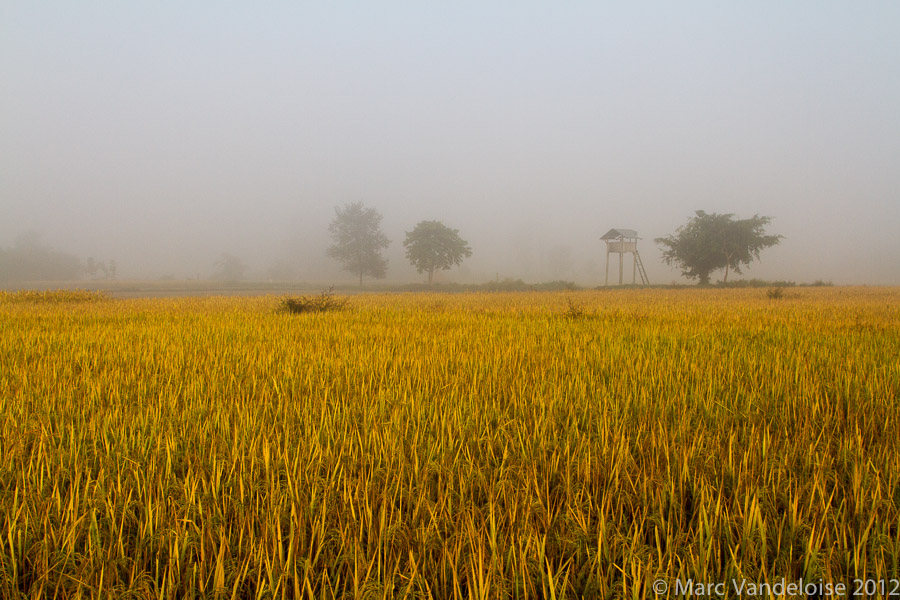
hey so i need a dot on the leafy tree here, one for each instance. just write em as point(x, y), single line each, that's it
point(709, 242)
point(229, 268)
point(432, 245)
point(358, 240)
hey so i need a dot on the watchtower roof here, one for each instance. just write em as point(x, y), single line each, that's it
point(615, 234)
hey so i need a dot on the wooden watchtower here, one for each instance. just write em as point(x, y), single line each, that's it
point(621, 241)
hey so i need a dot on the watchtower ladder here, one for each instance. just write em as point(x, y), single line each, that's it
point(640, 266)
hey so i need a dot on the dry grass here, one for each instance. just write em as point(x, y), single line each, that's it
point(486, 448)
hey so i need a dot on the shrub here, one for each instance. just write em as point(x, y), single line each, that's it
point(574, 311)
point(324, 302)
point(749, 283)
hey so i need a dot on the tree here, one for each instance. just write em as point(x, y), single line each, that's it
point(92, 267)
point(432, 245)
point(712, 241)
point(358, 240)
point(229, 268)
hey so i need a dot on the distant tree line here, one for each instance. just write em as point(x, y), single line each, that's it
point(28, 259)
point(706, 243)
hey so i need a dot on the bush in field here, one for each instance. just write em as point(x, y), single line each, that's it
point(324, 302)
point(756, 283)
point(517, 285)
point(574, 311)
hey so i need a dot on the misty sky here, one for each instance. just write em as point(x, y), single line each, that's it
point(161, 134)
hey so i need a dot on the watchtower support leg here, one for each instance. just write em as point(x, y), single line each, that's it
point(606, 281)
point(621, 265)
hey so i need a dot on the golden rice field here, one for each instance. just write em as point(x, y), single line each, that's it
point(522, 445)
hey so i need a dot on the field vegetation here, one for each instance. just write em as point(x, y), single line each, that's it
point(61, 296)
point(505, 445)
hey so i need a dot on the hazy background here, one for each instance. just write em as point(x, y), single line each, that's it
point(162, 134)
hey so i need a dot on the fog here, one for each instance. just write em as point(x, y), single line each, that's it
point(162, 134)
